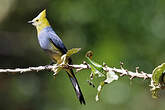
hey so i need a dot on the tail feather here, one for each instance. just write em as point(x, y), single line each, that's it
point(76, 86)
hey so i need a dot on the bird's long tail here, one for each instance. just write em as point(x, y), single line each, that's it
point(76, 86)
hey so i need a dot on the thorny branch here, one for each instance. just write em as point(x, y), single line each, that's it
point(109, 73)
point(121, 71)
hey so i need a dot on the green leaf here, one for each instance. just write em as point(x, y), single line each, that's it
point(94, 71)
point(157, 80)
point(72, 51)
point(97, 69)
point(99, 89)
point(110, 77)
point(95, 65)
point(69, 53)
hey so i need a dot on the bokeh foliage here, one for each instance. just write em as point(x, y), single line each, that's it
point(131, 31)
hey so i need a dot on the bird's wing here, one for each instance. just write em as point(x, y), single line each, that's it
point(57, 42)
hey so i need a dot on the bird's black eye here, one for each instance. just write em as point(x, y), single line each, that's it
point(37, 20)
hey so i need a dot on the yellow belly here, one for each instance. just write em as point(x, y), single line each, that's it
point(56, 58)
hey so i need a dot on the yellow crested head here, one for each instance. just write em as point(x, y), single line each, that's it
point(40, 21)
point(42, 14)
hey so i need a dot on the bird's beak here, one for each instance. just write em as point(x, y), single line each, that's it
point(30, 22)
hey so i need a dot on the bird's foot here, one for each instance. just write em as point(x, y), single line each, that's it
point(56, 69)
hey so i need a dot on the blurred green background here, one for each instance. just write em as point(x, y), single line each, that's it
point(131, 31)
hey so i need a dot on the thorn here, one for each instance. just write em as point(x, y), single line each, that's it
point(125, 71)
point(77, 70)
point(150, 85)
point(132, 77)
point(104, 64)
point(55, 74)
point(121, 65)
point(37, 70)
point(122, 74)
point(84, 62)
point(142, 72)
point(137, 69)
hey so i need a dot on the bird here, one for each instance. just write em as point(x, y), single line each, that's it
point(51, 43)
